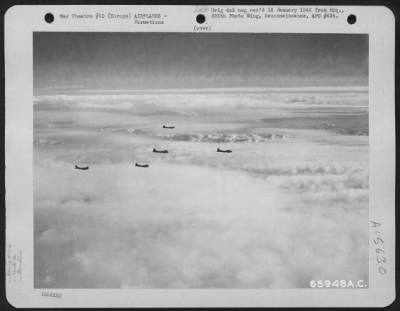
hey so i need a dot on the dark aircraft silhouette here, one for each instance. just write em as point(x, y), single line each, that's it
point(141, 165)
point(83, 168)
point(168, 127)
point(225, 151)
point(159, 151)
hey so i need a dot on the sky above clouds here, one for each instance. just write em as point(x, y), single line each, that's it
point(193, 60)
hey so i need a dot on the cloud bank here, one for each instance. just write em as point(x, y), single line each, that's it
point(276, 213)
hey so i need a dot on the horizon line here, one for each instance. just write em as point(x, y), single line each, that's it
point(76, 91)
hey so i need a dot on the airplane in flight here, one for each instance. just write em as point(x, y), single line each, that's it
point(83, 168)
point(168, 127)
point(159, 151)
point(225, 151)
point(141, 165)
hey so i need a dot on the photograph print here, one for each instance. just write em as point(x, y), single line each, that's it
point(200, 160)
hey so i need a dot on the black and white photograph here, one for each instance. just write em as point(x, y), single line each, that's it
point(200, 160)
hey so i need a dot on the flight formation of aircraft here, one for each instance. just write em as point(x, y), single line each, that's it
point(155, 151)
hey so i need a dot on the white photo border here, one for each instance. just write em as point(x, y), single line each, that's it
point(20, 23)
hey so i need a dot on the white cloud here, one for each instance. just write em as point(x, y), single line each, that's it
point(273, 214)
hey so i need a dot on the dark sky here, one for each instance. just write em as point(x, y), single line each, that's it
point(194, 60)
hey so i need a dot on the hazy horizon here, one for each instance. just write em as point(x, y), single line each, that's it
point(137, 61)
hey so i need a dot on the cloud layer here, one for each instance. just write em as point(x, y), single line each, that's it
point(273, 214)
